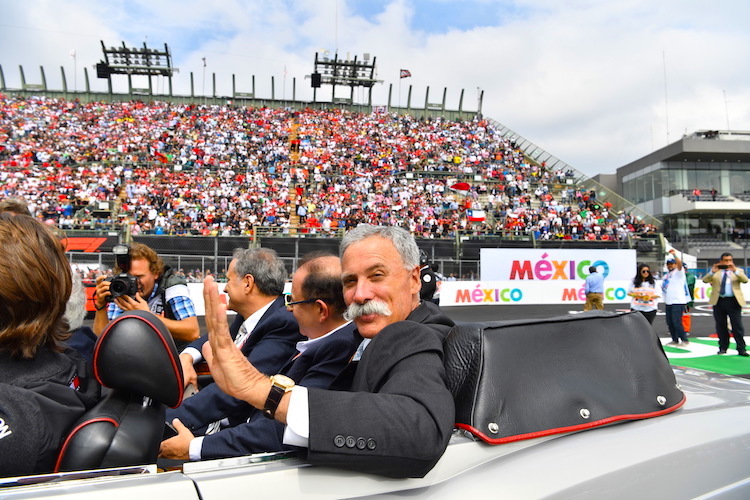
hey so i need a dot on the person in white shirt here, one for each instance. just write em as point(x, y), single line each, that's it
point(644, 293)
point(676, 297)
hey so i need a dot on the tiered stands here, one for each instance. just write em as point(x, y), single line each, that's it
point(223, 170)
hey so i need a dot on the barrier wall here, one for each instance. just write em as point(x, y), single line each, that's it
point(506, 293)
point(518, 292)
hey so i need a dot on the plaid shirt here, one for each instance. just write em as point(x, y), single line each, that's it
point(182, 306)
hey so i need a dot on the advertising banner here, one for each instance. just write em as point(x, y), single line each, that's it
point(474, 293)
point(554, 265)
point(548, 276)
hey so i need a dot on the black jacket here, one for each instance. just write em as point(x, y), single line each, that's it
point(397, 416)
point(40, 399)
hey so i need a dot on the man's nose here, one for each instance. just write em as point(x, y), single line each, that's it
point(362, 292)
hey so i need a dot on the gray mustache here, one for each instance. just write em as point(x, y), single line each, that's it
point(354, 310)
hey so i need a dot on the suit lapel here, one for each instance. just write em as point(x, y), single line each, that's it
point(344, 380)
point(255, 336)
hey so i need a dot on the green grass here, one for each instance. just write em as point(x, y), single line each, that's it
point(729, 364)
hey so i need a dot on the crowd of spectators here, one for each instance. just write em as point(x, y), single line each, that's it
point(224, 170)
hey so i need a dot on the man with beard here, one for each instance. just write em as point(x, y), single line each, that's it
point(392, 413)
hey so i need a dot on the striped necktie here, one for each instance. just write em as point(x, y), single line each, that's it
point(242, 335)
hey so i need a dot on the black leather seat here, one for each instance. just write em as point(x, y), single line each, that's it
point(135, 357)
point(522, 379)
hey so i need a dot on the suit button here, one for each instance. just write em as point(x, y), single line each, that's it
point(339, 441)
point(350, 441)
point(361, 444)
point(371, 445)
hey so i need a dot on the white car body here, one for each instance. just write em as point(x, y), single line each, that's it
point(700, 451)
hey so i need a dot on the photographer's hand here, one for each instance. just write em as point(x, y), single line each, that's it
point(100, 303)
point(128, 303)
point(101, 293)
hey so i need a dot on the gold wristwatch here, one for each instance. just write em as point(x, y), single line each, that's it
point(281, 384)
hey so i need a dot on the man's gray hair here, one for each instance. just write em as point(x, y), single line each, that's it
point(265, 266)
point(401, 239)
point(75, 310)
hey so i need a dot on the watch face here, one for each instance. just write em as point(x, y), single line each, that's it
point(282, 381)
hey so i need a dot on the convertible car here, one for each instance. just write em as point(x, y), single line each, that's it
point(596, 413)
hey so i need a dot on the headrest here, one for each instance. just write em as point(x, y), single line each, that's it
point(136, 353)
point(529, 378)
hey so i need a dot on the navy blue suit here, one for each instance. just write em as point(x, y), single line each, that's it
point(317, 367)
point(272, 342)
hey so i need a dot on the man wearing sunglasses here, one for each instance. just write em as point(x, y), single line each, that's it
point(317, 303)
point(391, 413)
point(267, 338)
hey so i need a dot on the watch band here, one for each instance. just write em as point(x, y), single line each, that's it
point(279, 385)
point(274, 398)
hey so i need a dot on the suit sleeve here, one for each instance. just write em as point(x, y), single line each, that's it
point(268, 355)
point(260, 434)
point(399, 416)
point(257, 435)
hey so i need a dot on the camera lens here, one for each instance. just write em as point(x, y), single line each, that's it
point(118, 287)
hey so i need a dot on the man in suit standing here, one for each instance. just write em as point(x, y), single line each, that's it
point(393, 413)
point(728, 301)
point(317, 303)
point(267, 337)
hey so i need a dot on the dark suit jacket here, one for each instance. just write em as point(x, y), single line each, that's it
point(398, 415)
point(272, 342)
point(234, 328)
point(318, 366)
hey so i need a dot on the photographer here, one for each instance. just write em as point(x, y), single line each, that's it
point(728, 300)
point(157, 290)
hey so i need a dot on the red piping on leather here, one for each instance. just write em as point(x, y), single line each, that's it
point(74, 432)
point(161, 337)
point(572, 428)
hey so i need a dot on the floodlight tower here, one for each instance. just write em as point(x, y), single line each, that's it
point(344, 72)
point(135, 61)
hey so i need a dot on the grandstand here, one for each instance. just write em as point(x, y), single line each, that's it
point(293, 176)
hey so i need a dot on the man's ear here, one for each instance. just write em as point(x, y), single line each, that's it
point(249, 283)
point(323, 309)
point(415, 283)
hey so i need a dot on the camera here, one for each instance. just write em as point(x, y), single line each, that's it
point(124, 283)
point(722, 266)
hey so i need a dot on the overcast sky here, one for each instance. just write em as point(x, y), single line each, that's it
point(596, 83)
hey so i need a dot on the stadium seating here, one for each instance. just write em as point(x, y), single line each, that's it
point(224, 170)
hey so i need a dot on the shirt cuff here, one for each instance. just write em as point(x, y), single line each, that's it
point(297, 431)
point(195, 353)
point(196, 445)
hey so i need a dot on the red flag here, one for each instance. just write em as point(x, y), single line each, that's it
point(405, 73)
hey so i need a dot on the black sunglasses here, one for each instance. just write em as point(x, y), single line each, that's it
point(288, 300)
point(645, 271)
